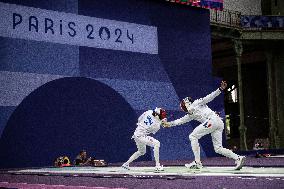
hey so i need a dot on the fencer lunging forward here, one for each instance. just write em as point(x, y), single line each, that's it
point(148, 123)
point(211, 123)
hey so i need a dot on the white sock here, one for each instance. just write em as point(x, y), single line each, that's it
point(228, 153)
point(157, 155)
point(133, 157)
point(196, 150)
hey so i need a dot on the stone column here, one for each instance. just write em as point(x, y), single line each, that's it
point(279, 77)
point(272, 107)
point(238, 47)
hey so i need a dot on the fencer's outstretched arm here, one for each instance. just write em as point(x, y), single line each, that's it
point(180, 121)
point(208, 98)
point(212, 95)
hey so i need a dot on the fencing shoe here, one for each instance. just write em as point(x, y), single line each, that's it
point(125, 167)
point(194, 165)
point(159, 168)
point(240, 162)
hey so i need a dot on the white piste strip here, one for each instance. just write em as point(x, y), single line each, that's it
point(179, 171)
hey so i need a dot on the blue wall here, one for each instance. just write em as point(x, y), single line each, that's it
point(65, 116)
point(51, 111)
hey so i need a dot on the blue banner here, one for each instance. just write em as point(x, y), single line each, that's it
point(65, 28)
point(262, 21)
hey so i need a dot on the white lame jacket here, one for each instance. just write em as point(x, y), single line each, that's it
point(198, 110)
point(147, 124)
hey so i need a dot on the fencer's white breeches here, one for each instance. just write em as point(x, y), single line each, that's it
point(141, 143)
point(215, 127)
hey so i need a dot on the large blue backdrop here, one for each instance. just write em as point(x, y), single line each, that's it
point(59, 97)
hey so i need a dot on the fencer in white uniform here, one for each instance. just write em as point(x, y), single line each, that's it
point(148, 123)
point(211, 123)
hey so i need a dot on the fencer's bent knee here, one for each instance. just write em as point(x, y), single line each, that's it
point(157, 144)
point(192, 138)
point(218, 149)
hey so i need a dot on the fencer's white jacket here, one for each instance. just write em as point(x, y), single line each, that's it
point(198, 110)
point(147, 124)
